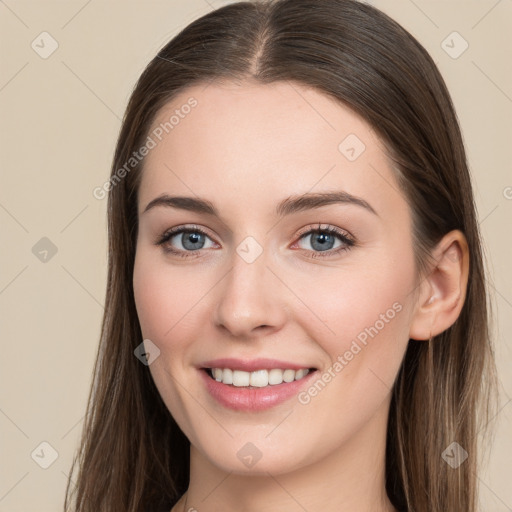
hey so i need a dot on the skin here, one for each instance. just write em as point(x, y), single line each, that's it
point(245, 147)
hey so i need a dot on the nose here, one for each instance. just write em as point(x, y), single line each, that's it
point(249, 301)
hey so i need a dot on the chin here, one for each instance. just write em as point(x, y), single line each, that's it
point(255, 459)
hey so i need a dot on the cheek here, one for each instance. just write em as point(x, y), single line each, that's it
point(168, 300)
point(164, 300)
point(361, 313)
point(160, 297)
point(150, 300)
point(368, 314)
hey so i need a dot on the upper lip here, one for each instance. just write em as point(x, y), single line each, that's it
point(252, 365)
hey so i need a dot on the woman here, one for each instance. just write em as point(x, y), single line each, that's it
point(296, 307)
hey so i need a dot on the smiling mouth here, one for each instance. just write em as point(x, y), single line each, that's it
point(256, 379)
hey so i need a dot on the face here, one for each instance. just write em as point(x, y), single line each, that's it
point(274, 270)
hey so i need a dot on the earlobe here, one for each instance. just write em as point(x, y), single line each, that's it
point(445, 288)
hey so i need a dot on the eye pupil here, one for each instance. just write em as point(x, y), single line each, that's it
point(193, 238)
point(325, 241)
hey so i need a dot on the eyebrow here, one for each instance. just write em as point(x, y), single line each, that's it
point(292, 204)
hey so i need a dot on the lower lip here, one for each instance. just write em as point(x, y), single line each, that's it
point(253, 399)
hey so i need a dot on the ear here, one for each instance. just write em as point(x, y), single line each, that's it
point(443, 291)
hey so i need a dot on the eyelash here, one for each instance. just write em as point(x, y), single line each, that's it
point(331, 230)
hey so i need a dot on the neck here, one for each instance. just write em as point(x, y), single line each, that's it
point(350, 478)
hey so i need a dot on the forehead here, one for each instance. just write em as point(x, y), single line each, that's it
point(262, 142)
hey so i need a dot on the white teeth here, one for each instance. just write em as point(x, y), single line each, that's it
point(300, 373)
point(226, 375)
point(289, 375)
point(240, 378)
point(258, 378)
point(275, 376)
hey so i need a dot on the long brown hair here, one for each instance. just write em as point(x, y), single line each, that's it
point(133, 456)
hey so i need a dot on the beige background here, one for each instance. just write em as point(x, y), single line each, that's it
point(59, 121)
